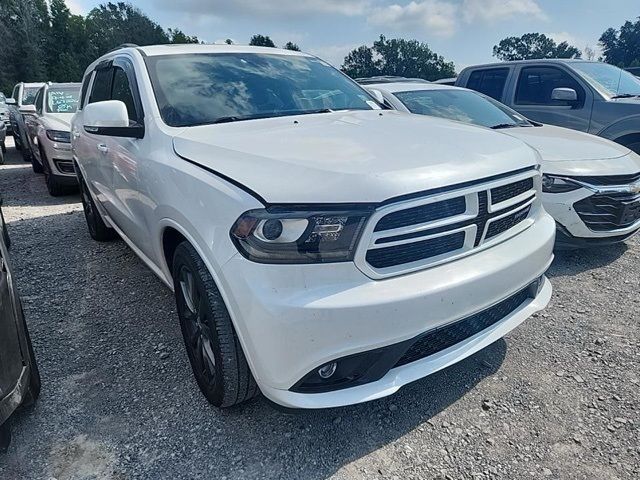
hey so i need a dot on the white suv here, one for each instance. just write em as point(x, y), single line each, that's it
point(321, 249)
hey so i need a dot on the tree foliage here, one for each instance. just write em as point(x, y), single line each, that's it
point(397, 56)
point(292, 46)
point(261, 41)
point(44, 41)
point(532, 46)
point(622, 47)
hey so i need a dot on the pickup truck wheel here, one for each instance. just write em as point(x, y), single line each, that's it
point(97, 228)
point(16, 140)
point(1, 156)
point(4, 147)
point(5, 435)
point(213, 348)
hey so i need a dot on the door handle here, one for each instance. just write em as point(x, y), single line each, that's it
point(103, 148)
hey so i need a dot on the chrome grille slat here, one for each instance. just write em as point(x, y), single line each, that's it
point(441, 230)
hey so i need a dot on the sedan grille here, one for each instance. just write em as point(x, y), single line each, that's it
point(603, 213)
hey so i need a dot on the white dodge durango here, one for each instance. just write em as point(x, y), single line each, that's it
point(322, 249)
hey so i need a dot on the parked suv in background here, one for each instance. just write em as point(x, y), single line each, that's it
point(592, 97)
point(591, 186)
point(21, 103)
point(49, 137)
point(319, 249)
point(4, 113)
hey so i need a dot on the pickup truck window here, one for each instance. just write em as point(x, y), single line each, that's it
point(491, 82)
point(613, 80)
point(207, 88)
point(101, 89)
point(536, 84)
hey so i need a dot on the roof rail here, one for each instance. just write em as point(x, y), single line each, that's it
point(124, 45)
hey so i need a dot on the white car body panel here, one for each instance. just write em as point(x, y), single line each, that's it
point(564, 152)
point(292, 318)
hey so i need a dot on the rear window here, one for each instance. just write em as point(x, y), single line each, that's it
point(491, 82)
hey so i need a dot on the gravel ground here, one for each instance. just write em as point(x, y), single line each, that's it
point(558, 398)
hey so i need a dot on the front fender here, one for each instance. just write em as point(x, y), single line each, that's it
point(626, 126)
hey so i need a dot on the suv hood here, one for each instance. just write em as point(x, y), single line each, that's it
point(58, 121)
point(557, 144)
point(352, 157)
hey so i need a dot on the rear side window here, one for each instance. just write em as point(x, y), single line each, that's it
point(536, 84)
point(85, 88)
point(122, 91)
point(101, 90)
point(490, 82)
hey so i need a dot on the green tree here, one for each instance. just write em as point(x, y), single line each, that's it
point(178, 36)
point(622, 47)
point(397, 56)
point(261, 41)
point(532, 46)
point(66, 44)
point(292, 46)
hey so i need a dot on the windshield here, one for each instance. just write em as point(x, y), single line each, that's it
point(613, 80)
point(63, 100)
point(205, 88)
point(463, 106)
point(29, 95)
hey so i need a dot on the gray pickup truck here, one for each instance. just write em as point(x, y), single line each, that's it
point(592, 97)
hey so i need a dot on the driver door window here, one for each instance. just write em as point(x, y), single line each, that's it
point(536, 85)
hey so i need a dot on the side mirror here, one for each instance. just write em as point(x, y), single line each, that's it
point(28, 109)
point(564, 95)
point(10, 101)
point(110, 118)
point(377, 94)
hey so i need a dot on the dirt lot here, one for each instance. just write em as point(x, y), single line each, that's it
point(558, 398)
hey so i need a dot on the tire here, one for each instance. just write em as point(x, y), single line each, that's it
point(5, 435)
point(217, 360)
point(16, 139)
point(37, 168)
point(4, 147)
point(97, 228)
point(2, 156)
point(53, 186)
point(5, 233)
point(35, 384)
point(27, 156)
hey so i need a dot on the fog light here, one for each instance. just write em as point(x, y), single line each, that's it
point(272, 229)
point(328, 370)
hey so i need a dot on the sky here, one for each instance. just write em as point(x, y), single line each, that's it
point(463, 31)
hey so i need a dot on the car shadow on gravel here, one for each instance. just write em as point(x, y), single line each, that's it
point(572, 262)
point(31, 193)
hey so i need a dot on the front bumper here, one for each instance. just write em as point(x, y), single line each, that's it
point(293, 319)
point(60, 158)
point(574, 230)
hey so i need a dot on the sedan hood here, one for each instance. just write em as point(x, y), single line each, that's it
point(353, 157)
point(58, 121)
point(557, 144)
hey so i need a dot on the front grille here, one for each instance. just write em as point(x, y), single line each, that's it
point(422, 214)
point(609, 180)
point(505, 223)
point(512, 190)
point(603, 213)
point(447, 336)
point(428, 231)
point(416, 251)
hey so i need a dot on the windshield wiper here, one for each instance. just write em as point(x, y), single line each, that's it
point(625, 95)
point(284, 113)
point(500, 126)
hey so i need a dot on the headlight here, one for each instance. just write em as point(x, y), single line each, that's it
point(551, 184)
point(59, 136)
point(303, 235)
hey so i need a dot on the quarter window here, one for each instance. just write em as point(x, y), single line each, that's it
point(122, 91)
point(101, 90)
point(490, 82)
point(536, 85)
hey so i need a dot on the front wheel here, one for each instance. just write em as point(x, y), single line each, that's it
point(213, 348)
point(53, 185)
point(98, 230)
point(5, 435)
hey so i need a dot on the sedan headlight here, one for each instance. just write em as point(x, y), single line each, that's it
point(552, 184)
point(300, 235)
point(59, 136)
